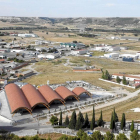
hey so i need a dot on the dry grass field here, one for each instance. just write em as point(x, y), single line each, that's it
point(53, 136)
point(123, 107)
point(56, 72)
point(108, 64)
point(52, 36)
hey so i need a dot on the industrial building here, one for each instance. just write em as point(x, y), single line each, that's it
point(106, 48)
point(27, 35)
point(72, 45)
point(49, 55)
point(28, 97)
point(78, 52)
point(129, 56)
point(111, 55)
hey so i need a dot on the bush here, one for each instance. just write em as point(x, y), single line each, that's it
point(59, 126)
point(54, 120)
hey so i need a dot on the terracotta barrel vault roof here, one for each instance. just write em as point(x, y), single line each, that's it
point(64, 92)
point(49, 94)
point(79, 90)
point(16, 98)
point(33, 96)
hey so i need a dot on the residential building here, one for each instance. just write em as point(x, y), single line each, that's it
point(128, 77)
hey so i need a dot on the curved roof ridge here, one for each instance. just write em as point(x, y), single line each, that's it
point(33, 96)
point(16, 98)
point(49, 94)
point(80, 90)
point(64, 92)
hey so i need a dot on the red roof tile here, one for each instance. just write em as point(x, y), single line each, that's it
point(64, 92)
point(49, 94)
point(79, 90)
point(16, 98)
point(33, 96)
point(2, 60)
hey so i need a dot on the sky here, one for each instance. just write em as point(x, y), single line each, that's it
point(70, 8)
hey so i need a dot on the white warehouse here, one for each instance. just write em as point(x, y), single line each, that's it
point(129, 56)
point(49, 56)
point(111, 55)
point(78, 52)
point(16, 50)
point(27, 35)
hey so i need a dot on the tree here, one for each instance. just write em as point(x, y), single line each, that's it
point(124, 81)
point(107, 75)
point(67, 120)
point(84, 137)
point(100, 121)
point(4, 134)
point(80, 121)
point(112, 123)
point(118, 79)
point(103, 75)
point(121, 137)
point(97, 136)
point(134, 135)
point(123, 121)
point(63, 137)
point(132, 126)
point(115, 116)
point(80, 133)
point(72, 122)
point(49, 138)
point(86, 122)
point(109, 136)
point(54, 120)
point(92, 125)
point(74, 41)
point(60, 120)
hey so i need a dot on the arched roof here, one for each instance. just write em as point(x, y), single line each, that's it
point(49, 94)
point(64, 92)
point(79, 90)
point(16, 98)
point(33, 96)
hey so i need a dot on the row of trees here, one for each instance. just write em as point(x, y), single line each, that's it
point(124, 81)
point(81, 135)
point(107, 76)
point(114, 119)
point(78, 122)
point(82, 122)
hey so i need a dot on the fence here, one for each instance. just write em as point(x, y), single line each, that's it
point(62, 131)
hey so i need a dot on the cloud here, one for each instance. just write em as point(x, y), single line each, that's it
point(110, 4)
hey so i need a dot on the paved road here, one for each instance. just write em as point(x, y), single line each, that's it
point(25, 127)
point(34, 126)
point(129, 96)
